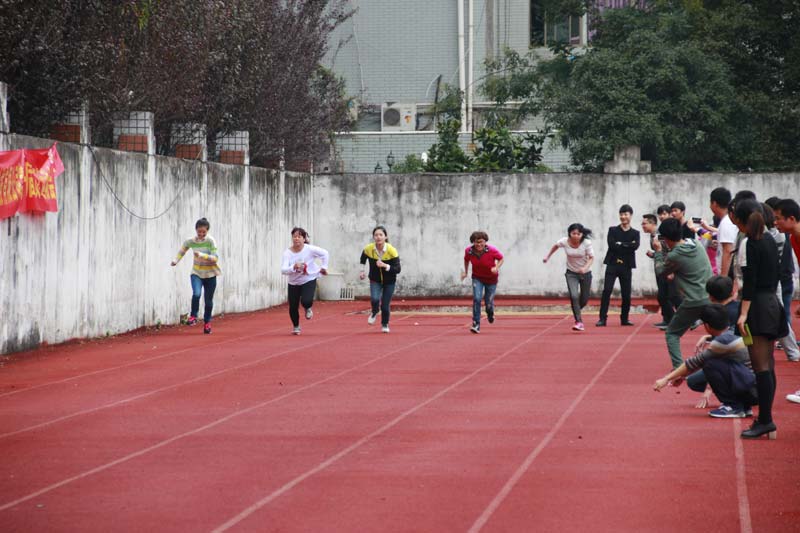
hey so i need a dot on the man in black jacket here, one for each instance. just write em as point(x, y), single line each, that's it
point(623, 241)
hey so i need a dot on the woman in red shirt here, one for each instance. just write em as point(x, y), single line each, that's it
point(486, 262)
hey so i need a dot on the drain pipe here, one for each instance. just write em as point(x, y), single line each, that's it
point(461, 74)
point(470, 61)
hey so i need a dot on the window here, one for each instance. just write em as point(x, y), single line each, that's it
point(568, 30)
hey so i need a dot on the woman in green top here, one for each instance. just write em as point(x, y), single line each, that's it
point(204, 271)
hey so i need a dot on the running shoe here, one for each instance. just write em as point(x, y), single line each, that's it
point(207, 329)
point(371, 319)
point(726, 411)
point(385, 329)
point(578, 326)
point(309, 314)
point(794, 397)
point(490, 317)
point(476, 328)
point(296, 331)
point(191, 321)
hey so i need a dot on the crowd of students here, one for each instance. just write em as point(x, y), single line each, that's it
point(732, 274)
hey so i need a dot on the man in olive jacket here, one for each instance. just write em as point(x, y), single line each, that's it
point(688, 262)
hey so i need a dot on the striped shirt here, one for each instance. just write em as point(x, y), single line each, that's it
point(728, 345)
point(205, 256)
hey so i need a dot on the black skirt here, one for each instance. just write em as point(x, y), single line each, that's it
point(765, 317)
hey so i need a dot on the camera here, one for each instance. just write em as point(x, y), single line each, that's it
point(696, 220)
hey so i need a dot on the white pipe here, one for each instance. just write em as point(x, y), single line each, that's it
point(470, 61)
point(461, 73)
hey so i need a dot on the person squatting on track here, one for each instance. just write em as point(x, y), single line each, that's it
point(577, 246)
point(620, 260)
point(384, 265)
point(205, 270)
point(688, 262)
point(761, 313)
point(486, 261)
point(723, 363)
point(300, 264)
point(787, 215)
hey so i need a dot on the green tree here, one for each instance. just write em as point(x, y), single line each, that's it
point(699, 85)
point(446, 155)
point(498, 149)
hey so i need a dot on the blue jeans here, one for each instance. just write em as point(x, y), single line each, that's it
point(787, 289)
point(381, 295)
point(481, 290)
point(208, 286)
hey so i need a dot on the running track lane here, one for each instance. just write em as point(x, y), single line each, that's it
point(436, 468)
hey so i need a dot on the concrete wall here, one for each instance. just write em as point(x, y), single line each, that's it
point(101, 264)
point(430, 217)
point(94, 268)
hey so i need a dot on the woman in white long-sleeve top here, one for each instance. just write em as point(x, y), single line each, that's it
point(300, 264)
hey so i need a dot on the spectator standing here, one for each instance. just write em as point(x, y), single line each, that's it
point(620, 260)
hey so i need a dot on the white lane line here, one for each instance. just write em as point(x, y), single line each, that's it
point(512, 481)
point(168, 387)
point(210, 425)
point(142, 361)
point(745, 525)
point(325, 464)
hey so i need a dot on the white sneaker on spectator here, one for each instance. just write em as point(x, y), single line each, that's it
point(371, 319)
point(794, 397)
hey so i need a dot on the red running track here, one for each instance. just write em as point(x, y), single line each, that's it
point(526, 427)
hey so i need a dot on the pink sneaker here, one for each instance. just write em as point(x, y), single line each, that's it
point(578, 326)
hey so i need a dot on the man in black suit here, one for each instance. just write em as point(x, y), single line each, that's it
point(623, 241)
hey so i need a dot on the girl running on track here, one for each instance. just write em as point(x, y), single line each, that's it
point(486, 262)
point(204, 271)
point(384, 265)
point(299, 263)
point(580, 256)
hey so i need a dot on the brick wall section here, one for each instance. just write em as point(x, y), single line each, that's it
point(360, 153)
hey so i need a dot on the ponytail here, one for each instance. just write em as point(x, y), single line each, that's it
point(750, 213)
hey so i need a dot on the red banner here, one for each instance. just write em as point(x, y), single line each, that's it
point(28, 180)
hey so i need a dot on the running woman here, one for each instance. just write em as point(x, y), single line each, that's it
point(486, 261)
point(300, 264)
point(580, 256)
point(384, 265)
point(204, 271)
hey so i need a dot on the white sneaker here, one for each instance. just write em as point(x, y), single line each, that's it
point(371, 319)
point(309, 313)
point(794, 398)
point(296, 331)
point(385, 329)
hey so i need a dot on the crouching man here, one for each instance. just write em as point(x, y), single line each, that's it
point(725, 364)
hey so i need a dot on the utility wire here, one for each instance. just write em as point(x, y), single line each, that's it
point(117, 198)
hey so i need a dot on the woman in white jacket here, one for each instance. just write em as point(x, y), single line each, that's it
point(300, 264)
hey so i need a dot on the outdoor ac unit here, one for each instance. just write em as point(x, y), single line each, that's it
point(398, 117)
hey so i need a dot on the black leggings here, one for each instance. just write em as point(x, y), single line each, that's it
point(301, 293)
point(763, 360)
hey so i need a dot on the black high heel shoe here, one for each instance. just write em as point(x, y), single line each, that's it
point(758, 429)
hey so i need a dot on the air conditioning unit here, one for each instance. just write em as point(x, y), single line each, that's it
point(398, 117)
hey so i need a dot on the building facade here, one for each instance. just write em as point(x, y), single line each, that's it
point(397, 58)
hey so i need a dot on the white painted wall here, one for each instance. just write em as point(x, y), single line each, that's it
point(93, 268)
point(429, 219)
